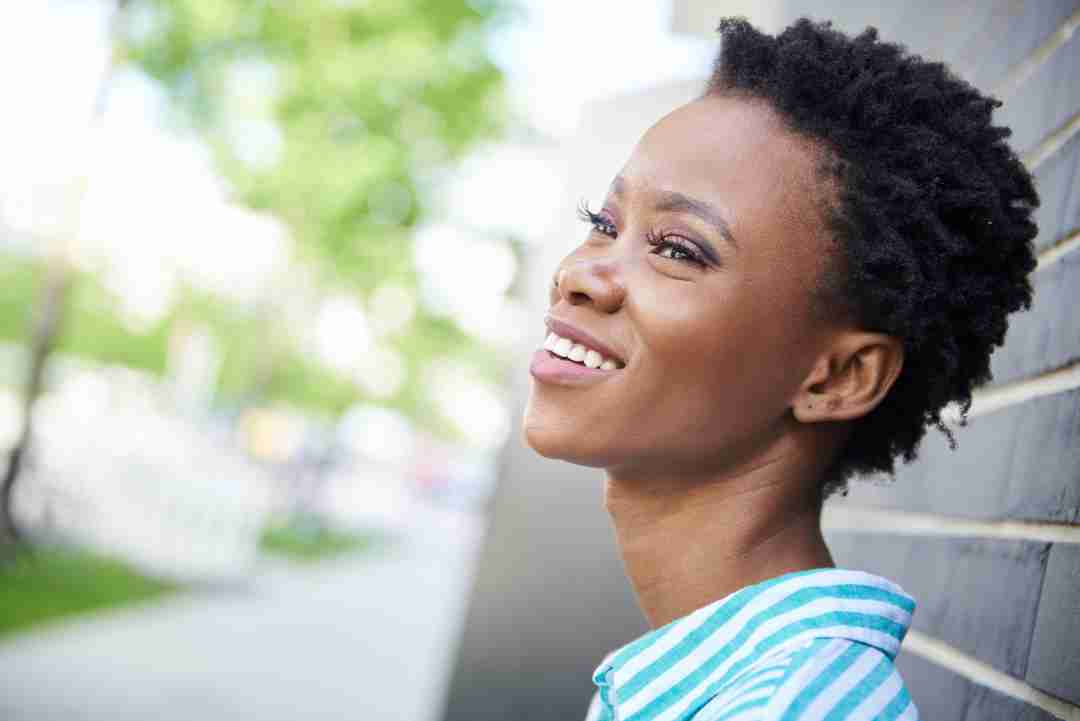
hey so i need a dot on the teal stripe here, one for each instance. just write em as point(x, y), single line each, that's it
point(636, 647)
point(752, 674)
point(724, 613)
point(798, 660)
point(863, 592)
point(834, 618)
point(797, 598)
point(750, 682)
point(860, 691)
point(756, 703)
point(756, 687)
point(780, 637)
point(824, 679)
point(897, 706)
point(605, 696)
point(756, 684)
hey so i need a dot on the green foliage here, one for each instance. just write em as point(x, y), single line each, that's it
point(330, 115)
point(364, 98)
point(51, 583)
point(92, 325)
point(94, 329)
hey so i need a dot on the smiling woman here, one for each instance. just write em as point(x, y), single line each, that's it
point(788, 280)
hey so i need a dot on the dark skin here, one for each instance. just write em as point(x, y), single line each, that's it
point(735, 395)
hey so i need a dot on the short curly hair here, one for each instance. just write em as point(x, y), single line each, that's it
point(930, 212)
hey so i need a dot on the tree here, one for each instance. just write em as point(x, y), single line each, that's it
point(332, 116)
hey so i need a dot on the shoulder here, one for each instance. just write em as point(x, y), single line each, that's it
point(838, 679)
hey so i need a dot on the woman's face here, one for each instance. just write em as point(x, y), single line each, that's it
point(696, 276)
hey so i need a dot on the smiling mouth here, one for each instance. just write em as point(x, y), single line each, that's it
point(566, 349)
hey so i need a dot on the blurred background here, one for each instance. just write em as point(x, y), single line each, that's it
point(270, 273)
point(265, 278)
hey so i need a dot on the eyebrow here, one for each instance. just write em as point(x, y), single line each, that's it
point(670, 200)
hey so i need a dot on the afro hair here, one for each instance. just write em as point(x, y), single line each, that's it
point(930, 212)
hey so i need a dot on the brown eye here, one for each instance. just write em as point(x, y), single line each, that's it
point(674, 248)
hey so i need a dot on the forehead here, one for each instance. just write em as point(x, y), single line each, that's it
point(735, 154)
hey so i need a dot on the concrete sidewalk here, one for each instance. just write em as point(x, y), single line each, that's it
point(370, 638)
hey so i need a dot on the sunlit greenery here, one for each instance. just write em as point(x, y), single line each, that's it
point(331, 115)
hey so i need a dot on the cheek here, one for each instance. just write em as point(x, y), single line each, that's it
point(719, 366)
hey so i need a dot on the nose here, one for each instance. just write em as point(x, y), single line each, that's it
point(590, 280)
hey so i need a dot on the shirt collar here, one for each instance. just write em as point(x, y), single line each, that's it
point(651, 675)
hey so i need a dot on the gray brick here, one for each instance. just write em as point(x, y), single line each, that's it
point(1001, 34)
point(942, 695)
point(985, 704)
point(1048, 335)
point(1045, 101)
point(979, 596)
point(1054, 665)
point(1021, 462)
point(1059, 203)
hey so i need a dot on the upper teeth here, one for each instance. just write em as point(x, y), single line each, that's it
point(577, 352)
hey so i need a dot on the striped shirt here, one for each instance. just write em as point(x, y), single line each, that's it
point(816, 644)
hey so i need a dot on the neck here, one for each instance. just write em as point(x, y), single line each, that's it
point(687, 542)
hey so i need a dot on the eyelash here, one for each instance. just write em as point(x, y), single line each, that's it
point(659, 241)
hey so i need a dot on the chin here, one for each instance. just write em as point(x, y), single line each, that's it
point(559, 443)
point(547, 429)
point(546, 441)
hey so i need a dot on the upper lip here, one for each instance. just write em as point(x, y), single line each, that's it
point(564, 330)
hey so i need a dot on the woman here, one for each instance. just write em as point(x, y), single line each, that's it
point(788, 280)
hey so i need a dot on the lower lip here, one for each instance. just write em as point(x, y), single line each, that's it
point(548, 368)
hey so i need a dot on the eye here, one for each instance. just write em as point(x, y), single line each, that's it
point(600, 223)
point(675, 248)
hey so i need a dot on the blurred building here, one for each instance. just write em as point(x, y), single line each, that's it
point(997, 628)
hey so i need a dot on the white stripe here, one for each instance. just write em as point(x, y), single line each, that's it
point(768, 662)
point(676, 710)
point(809, 670)
point(831, 631)
point(682, 628)
point(733, 696)
point(876, 702)
point(753, 714)
point(759, 693)
point(851, 677)
point(710, 646)
point(760, 670)
point(757, 671)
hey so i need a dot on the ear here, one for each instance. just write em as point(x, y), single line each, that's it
point(850, 378)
